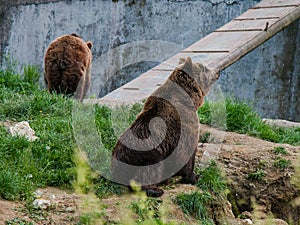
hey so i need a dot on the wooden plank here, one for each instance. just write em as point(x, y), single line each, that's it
point(266, 13)
point(222, 42)
point(260, 38)
point(277, 3)
point(204, 58)
point(247, 25)
point(145, 83)
point(154, 73)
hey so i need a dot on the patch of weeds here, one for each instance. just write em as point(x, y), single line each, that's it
point(211, 179)
point(84, 175)
point(146, 208)
point(24, 83)
point(149, 210)
point(91, 218)
point(204, 113)
point(195, 204)
point(200, 204)
point(238, 143)
point(11, 185)
point(205, 137)
point(48, 160)
point(104, 188)
point(258, 175)
point(241, 118)
point(104, 125)
point(111, 123)
point(18, 221)
point(282, 163)
point(262, 164)
point(280, 150)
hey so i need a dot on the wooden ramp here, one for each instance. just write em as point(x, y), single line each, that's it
point(218, 50)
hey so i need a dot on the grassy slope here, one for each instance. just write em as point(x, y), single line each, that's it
point(49, 161)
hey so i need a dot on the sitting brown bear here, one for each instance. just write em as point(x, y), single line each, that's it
point(162, 141)
point(68, 62)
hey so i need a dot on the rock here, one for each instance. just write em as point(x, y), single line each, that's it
point(70, 209)
point(281, 123)
point(38, 194)
point(52, 197)
point(23, 129)
point(271, 221)
point(248, 221)
point(41, 204)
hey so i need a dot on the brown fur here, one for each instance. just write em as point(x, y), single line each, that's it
point(195, 80)
point(68, 62)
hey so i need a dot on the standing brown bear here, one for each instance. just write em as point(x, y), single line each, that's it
point(162, 141)
point(68, 62)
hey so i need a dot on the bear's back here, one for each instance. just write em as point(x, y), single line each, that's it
point(67, 60)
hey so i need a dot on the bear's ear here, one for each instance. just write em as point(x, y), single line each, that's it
point(89, 44)
point(186, 65)
point(75, 35)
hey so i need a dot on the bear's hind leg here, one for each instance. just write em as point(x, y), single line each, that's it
point(187, 172)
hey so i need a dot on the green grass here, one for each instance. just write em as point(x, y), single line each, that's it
point(91, 218)
point(49, 161)
point(196, 205)
point(212, 191)
point(241, 118)
point(211, 179)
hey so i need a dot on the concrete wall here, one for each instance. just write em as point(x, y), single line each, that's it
point(131, 36)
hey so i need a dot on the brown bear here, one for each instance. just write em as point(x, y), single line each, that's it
point(68, 62)
point(162, 141)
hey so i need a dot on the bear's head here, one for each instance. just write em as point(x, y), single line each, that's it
point(204, 76)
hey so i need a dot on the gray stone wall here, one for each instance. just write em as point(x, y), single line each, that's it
point(131, 36)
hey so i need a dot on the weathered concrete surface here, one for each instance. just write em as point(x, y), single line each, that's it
point(131, 36)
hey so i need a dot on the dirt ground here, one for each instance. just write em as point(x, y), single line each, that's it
point(260, 190)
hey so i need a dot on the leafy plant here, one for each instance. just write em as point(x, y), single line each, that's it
point(280, 150)
point(10, 185)
point(258, 175)
point(205, 137)
point(18, 221)
point(281, 163)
